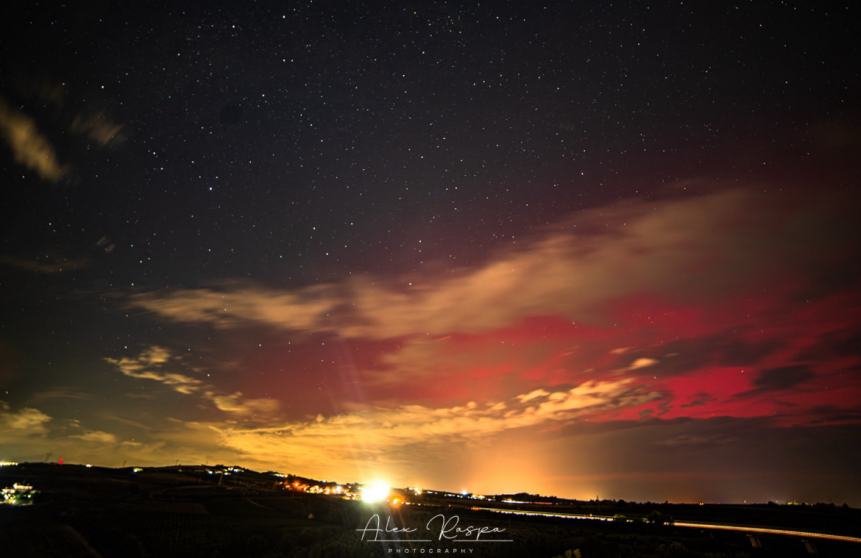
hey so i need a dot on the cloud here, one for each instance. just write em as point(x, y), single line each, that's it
point(377, 432)
point(534, 394)
point(676, 291)
point(423, 361)
point(344, 444)
point(32, 148)
point(150, 365)
point(304, 309)
point(699, 399)
point(642, 362)
point(147, 366)
point(680, 356)
point(97, 436)
point(29, 147)
point(695, 248)
point(842, 343)
point(24, 421)
point(236, 403)
point(779, 379)
point(668, 306)
point(98, 127)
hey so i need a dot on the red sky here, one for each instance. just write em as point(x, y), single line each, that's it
point(622, 351)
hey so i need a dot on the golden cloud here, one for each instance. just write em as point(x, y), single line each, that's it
point(236, 403)
point(29, 147)
point(693, 247)
point(642, 362)
point(345, 445)
point(25, 421)
point(370, 434)
point(32, 149)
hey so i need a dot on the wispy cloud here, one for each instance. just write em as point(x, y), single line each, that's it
point(642, 362)
point(148, 366)
point(681, 249)
point(32, 148)
point(373, 432)
point(153, 364)
point(237, 403)
point(23, 421)
point(97, 436)
point(701, 288)
point(29, 146)
point(98, 127)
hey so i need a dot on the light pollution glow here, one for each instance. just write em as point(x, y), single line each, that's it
point(622, 352)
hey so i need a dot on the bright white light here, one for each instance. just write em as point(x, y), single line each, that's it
point(377, 491)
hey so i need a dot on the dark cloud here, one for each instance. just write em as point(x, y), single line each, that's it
point(682, 356)
point(831, 415)
point(778, 379)
point(700, 399)
point(843, 343)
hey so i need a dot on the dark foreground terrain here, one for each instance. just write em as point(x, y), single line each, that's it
point(192, 512)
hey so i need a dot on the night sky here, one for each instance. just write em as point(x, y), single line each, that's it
point(584, 249)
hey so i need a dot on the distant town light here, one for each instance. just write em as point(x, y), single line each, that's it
point(377, 491)
point(17, 495)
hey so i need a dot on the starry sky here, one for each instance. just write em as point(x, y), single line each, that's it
point(576, 248)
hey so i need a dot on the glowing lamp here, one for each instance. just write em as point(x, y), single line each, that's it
point(377, 491)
